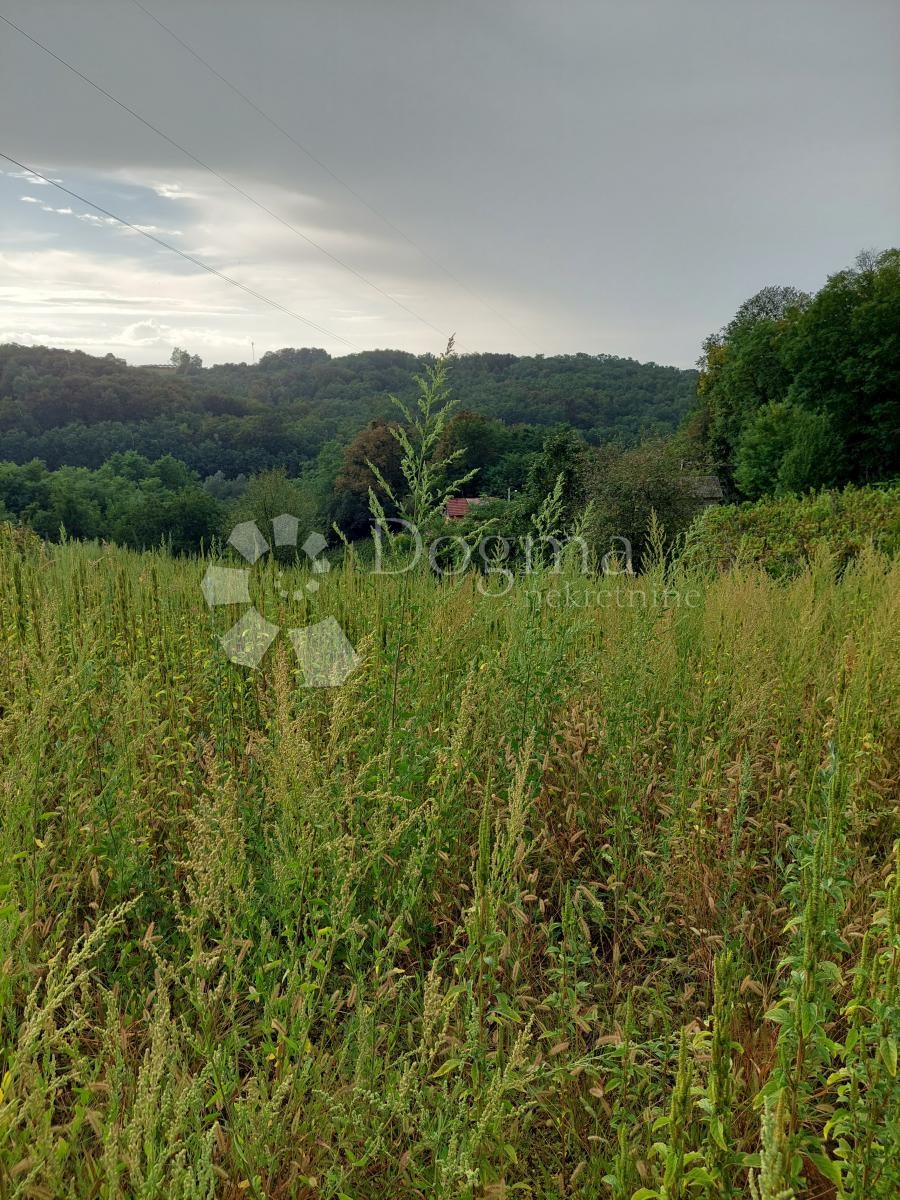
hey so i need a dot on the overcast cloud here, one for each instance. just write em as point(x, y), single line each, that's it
point(600, 177)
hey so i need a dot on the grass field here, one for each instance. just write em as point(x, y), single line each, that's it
point(546, 901)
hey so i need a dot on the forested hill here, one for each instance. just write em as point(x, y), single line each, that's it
point(70, 408)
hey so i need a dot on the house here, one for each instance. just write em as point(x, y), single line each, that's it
point(458, 506)
point(707, 489)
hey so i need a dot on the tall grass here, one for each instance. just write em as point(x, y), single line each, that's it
point(617, 915)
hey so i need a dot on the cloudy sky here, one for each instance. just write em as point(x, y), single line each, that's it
point(535, 175)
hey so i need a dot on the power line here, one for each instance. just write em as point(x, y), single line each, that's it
point(222, 178)
point(328, 171)
point(181, 253)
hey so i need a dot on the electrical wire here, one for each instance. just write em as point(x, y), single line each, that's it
point(181, 253)
point(222, 178)
point(328, 171)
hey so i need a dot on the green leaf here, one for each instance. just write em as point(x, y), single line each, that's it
point(827, 1167)
point(445, 1068)
point(830, 971)
point(809, 1015)
point(700, 1175)
point(888, 1050)
point(717, 1133)
point(778, 1014)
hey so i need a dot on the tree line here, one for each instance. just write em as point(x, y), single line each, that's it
point(68, 408)
point(795, 393)
point(799, 392)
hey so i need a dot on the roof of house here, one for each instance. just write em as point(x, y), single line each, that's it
point(707, 487)
point(458, 506)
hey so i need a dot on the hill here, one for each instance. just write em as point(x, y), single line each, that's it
point(73, 409)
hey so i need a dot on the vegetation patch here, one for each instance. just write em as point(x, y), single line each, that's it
point(784, 535)
point(602, 902)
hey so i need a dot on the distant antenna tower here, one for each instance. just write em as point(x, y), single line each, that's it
point(253, 353)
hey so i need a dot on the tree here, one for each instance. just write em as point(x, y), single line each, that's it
point(844, 360)
point(627, 486)
point(471, 442)
point(375, 445)
point(316, 485)
point(268, 495)
point(564, 454)
point(742, 370)
point(772, 303)
point(786, 449)
point(798, 392)
point(73, 503)
point(71, 408)
point(184, 362)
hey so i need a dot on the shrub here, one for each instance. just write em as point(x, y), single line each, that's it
point(783, 535)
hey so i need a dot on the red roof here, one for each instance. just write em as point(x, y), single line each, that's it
point(457, 506)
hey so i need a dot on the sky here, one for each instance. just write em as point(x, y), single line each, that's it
point(534, 176)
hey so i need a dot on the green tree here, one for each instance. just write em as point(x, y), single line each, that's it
point(184, 362)
point(844, 357)
point(626, 487)
point(268, 495)
point(375, 446)
point(564, 454)
point(742, 370)
point(471, 442)
point(784, 448)
point(798, 392)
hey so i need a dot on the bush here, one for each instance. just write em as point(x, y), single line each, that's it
point(783, 535)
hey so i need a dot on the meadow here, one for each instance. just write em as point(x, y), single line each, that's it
point(549, 900)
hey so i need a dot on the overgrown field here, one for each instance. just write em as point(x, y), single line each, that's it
point(546, 901)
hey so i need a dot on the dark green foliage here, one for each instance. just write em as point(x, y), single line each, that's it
point(799, 393)
point(781, 448)
point(611, 495)
point(373, 453)
point(71, 409)
point(844, 359)
point(632, 489)
point(129, 500)
point(502, 455)
point(564, 454)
